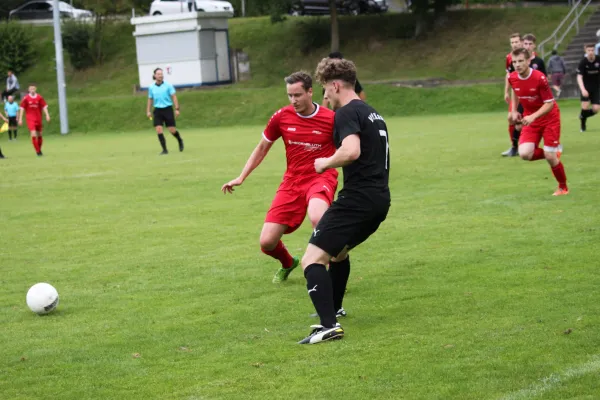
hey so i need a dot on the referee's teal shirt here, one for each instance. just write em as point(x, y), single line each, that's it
point(161, 94)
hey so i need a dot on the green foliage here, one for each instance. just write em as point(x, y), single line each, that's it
point(16, 47)
point(76, 41)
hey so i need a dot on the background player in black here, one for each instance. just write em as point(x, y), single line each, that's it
point(361, 138)
point(588, 79)
point(358, 89)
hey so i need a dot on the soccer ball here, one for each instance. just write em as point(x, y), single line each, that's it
point(42, 298)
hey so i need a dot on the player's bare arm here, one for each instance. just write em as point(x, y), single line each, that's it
point(176, 104)
point(20, 116)
point(149, 108)
point(47, 114)
point(506, 89)
point(584, 92)
point(348, 152)
point(257, 156)
point(545, 109)
point(514, 116)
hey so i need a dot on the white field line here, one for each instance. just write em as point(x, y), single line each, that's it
point(550, 382)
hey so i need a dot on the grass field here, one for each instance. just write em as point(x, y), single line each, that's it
point(468, 291)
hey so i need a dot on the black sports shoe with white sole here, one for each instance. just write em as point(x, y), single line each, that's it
point(321, 334)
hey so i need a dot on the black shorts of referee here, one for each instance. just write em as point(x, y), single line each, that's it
point(164, 116)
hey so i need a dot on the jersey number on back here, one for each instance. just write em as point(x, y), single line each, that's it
point(387, 147)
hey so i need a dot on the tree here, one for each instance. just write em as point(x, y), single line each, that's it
point(102, 10)
point(335, 28)
point(421, 8)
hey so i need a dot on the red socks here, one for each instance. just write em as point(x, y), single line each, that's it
point(280, 253)
point(559, 174)
point(538, 154)
point(36, 144)
point(40, 140)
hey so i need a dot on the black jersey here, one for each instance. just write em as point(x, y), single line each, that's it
point(369, 174)
point(535, 63)
point(590, 71)
point(538, 63)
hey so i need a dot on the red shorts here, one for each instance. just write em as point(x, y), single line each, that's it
point(557, 78)
point(35, 125)
point(291, 201)
point(548, 129)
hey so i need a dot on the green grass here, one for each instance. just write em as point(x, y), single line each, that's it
point(465, 292)
point(470, 45)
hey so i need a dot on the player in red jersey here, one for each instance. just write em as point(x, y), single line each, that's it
point(307, 132)
point(32, 105)
point(516, 42)
point(540, 119)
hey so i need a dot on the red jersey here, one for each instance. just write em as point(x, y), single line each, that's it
point(33, 106)
point(509, 66)
point(306, 138)
point(533, 92)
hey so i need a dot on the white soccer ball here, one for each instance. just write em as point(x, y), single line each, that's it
point(42, 298)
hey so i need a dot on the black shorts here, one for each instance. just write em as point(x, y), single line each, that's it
point(12, 121)
point(164, 116)
point(349, 222)
point(520, 109)
point(594, 96)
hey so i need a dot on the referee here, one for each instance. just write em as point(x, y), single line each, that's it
point(162, 96)
point(361, 139)
point(588, 79)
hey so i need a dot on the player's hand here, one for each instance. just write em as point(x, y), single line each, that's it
point(585, 93)
point(149, 114)
point(321, 165)
point(507, 98)
point(514, 117)
point(20, 123)
point(229, 186)
point(177, 113)
point(47, 118)
point(528, 120)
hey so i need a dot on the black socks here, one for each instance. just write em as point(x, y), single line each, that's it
point(339, 273)
point(320, 291)
point(163, 142)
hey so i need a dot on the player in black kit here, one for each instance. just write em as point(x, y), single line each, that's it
point(361, 139)
point(588, 79)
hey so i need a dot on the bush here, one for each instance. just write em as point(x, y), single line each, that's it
point(16, 47)
point(77, 42)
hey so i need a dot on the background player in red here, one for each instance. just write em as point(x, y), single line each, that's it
point(32, 105)
point(540, 119)
point(516, 42)
point(307, 131)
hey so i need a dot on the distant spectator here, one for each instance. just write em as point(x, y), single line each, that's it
point(12, 85)
point(357, 86)
point(558, 69)
point(192, 5)
point(597, 46)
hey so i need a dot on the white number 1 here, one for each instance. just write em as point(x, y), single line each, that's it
point(387, 147)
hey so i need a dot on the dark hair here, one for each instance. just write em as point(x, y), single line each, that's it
point(554, 52)
point(590, 45)
point(300, 76)
point(529, 37)
point(520, 51)
point(330, 69)
point(336, 54)
point(154, 73)
point(516, 35)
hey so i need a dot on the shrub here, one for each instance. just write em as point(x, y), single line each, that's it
point(16, 47)
point(77, 42)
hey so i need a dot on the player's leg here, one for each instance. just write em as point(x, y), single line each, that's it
point(512, 151)
point(173, 129)
point(34, 140)
point(1, 155)
point(551, 136)
point(40, 138)
point(285, 215)
point(158, 126)
point(529, 149)
point(585, 112)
